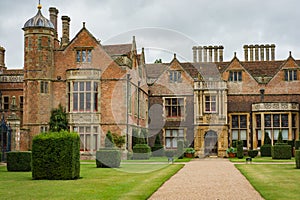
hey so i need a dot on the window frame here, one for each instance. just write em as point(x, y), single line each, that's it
point(6, 105)
point(290, 74)
point(210, 103)
point(44, 87)
point(83, 96)
point(242, 127)
point(175, 76)
point(174, 105)
point(83, 55)
point(172, 137)
point(235, 76)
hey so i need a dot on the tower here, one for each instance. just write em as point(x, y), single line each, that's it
point(39, 41)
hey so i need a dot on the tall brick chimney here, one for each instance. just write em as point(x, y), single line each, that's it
point(2, 58)
point(65, 30)
point(53, 17)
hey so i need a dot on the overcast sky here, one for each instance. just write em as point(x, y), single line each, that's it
point(164, 27)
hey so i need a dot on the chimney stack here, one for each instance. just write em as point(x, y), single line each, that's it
point(216, 53)
point(256, 47)
point(260, 52)
point(2, 58)
point(221, 53)
point(200, 51)
point(194, 54)
point(208, 53)
point(65, 30)
point(267, 52)
point(53, 17)
point(246, 49)
point(273, 52)
point(205, 53)
point(251, 52)
point(210, 49)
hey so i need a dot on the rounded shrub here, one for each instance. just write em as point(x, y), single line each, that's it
point(108, 158)
point(141, 152)
point(252, 153)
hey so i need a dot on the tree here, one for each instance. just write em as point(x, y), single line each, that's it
point(119, 140)
point(58, 120)
point(267, 139)
point(109, 140)
point(280, 140)
point(158, 60)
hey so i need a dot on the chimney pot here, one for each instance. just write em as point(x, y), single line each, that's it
point(246, 50)
point(53, 17)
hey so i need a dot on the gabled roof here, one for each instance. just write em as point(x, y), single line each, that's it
point(208, 71)
point(118, 49)
point(262, 68)
point(155, 70)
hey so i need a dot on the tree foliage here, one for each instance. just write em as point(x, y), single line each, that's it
point(109, 140)
point(119, 140)
point(58, 120)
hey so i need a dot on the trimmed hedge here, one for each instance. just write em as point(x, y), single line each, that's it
point(108, 158)
point(141, 152)
point(297, 158)
point(252, 153)
point(281, 151)
point(18, 161)
point(265, 150)
point(239, 148)
point(158, 151)
point(297, 144)
point(56, 156)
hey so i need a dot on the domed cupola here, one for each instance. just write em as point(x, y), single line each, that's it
point(38, 21)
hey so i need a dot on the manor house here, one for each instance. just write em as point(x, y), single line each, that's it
point(208, 102)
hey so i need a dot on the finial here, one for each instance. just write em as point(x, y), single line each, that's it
point(290, 54)
point(39, 6)
point(83, 23)
point(235, 54)
point(174, 55)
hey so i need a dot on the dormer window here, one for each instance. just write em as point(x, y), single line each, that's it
point(83, 55)
point(290, 75)
point(175, 76)
point(235, 76)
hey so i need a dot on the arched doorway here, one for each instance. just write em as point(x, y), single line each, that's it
point(211, 143)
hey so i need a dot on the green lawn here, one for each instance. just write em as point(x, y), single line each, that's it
point(262, 159)
point(273, 181)
point(130, 181)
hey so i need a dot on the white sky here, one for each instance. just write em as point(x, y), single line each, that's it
point(164, 27)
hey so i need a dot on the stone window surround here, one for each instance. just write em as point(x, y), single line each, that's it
point(179, 137)
point(183, 111)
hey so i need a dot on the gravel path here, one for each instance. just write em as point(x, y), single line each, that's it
point(210, 178)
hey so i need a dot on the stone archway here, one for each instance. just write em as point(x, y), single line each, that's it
point(211, 143)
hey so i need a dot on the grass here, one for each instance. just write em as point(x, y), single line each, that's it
point(130, 181)
point(263, 159)
point(273, 181)
point(162, 159)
